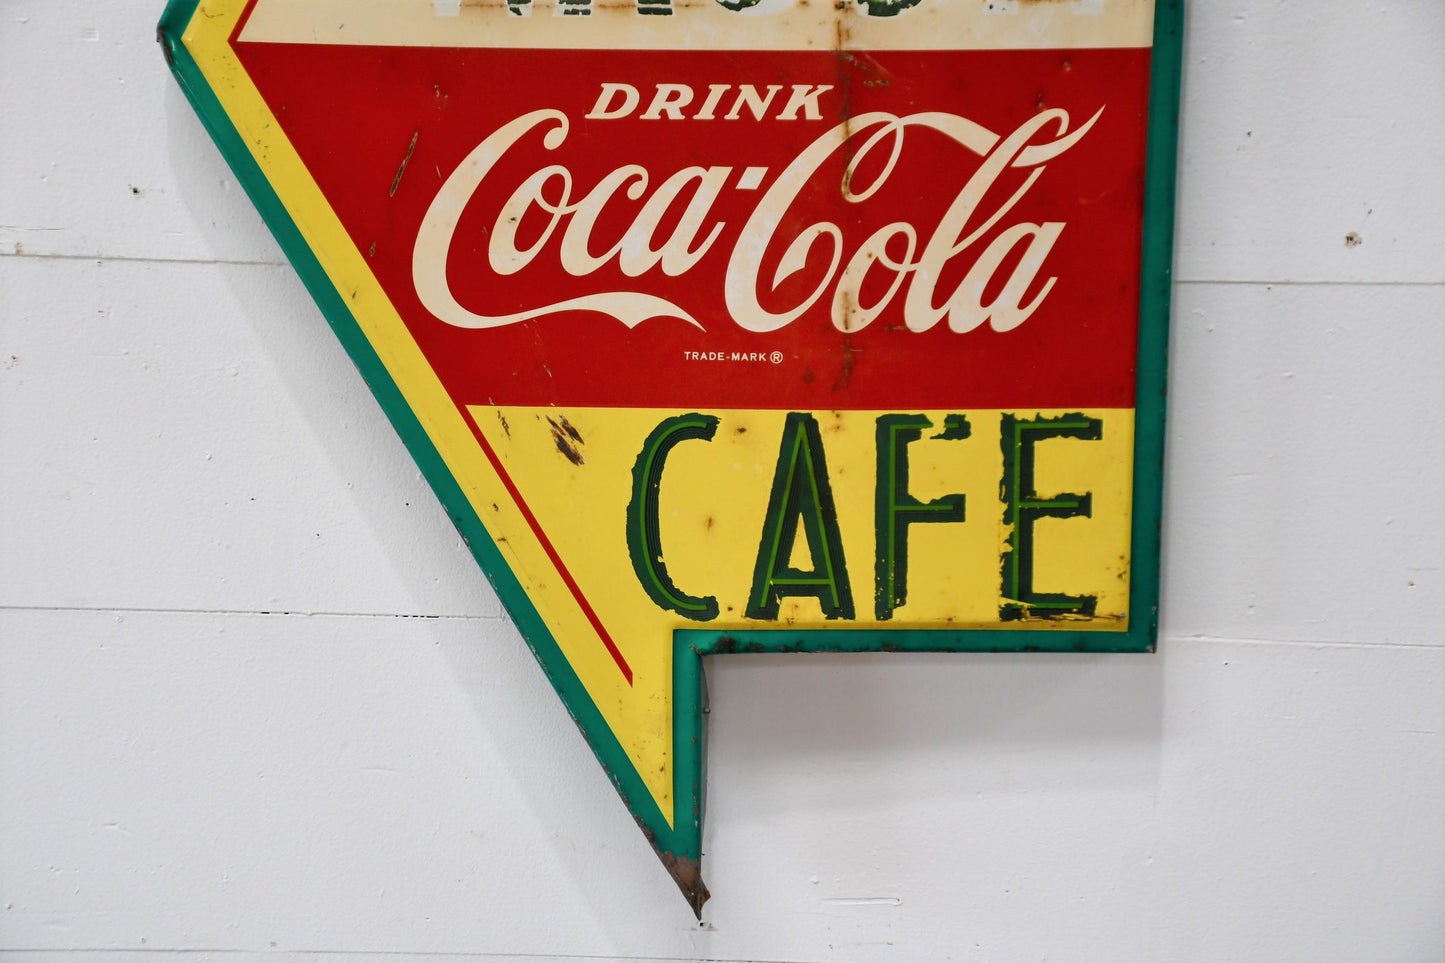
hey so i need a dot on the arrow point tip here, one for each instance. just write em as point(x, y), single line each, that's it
point(687, 873)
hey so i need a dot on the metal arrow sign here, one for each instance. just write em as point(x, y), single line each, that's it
point(738, 325)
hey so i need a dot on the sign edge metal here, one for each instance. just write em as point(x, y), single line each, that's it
point(679, 846)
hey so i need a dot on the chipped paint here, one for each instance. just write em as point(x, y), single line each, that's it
point(401, 170)
point(709, 24)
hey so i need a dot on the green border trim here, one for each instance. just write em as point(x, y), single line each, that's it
point(671, 846)
point(680, 847)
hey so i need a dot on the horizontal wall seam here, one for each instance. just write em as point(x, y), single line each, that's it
point(279, 956)
point(1192, 282)
point(301, 613)
point(136, 259)
point(1203, 282)
point(1330, 643)
point(262, 613)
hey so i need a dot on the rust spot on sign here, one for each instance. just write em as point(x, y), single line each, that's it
point(396, 181)
point(567, 438)
point(845, 375)
point(688, 876)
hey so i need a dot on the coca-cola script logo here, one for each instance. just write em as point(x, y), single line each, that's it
point(569, 220)
point(620, 227)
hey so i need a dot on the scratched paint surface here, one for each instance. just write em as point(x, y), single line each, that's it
point(735, 320)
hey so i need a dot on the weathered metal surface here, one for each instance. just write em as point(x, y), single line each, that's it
point(738, 325)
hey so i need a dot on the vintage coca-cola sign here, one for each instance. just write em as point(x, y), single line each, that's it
point(738, 325)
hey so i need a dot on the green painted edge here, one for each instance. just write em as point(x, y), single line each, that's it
point(1156, 274)
point(682, 843)
point(1156, 298)
point(609, 752)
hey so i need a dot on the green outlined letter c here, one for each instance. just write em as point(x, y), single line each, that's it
point(644, 540)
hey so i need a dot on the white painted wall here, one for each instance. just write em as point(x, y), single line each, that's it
point(223, 729)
